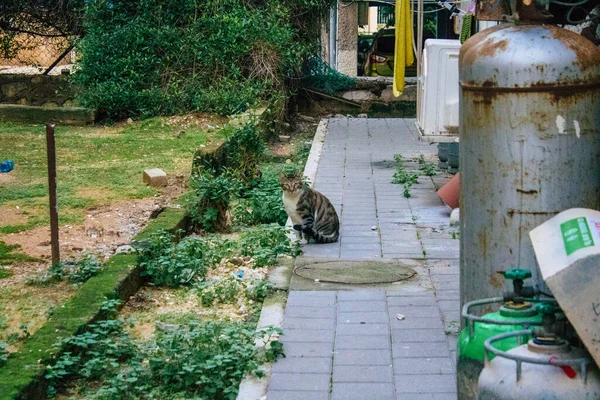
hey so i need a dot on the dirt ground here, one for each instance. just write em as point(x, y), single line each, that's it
point(105, 229)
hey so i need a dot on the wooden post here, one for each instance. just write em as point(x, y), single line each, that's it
point(51, 151)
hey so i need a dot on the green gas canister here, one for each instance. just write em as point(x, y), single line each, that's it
point(517, 312)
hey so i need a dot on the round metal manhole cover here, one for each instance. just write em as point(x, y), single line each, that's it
point(355, 272)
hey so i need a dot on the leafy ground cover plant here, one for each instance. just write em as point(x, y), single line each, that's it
point(262, 204)
point(408, 178)
point(72, 271)
point(171, 263)
point(204, 360)
point(208, 202)
point(265, 242)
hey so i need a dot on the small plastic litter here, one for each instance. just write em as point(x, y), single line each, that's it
point(7, 166)
point(240, 274)
point(400, 317)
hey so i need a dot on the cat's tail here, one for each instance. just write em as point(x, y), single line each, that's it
point(331, 238)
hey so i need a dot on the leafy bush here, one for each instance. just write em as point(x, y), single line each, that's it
point(143, 58)
point(92, 354)
point(208, 202)
point(263, 204)
point(239, 155)
point(173, 264)
point(73, 271)
point(265, 242)
point(210, 359)
point(205, 361)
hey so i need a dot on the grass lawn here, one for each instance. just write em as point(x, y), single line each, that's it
point(95, 165)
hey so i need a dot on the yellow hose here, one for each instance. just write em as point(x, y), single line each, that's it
point(403, 54)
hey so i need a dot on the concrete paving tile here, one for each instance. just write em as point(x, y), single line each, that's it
point(297, 395)
point(362, 357)
point(303, 365)
point(363, 391)
point(420, 350)
point(305, 349)
point(363, 373)
point(299, 382)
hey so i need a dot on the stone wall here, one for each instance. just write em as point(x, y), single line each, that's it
point(380, 90)
point(37, 90)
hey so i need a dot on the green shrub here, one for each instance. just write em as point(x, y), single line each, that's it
point(144, 58)
point(209, 359)
point(265, 242)
point(239, 155)
point(93, 354)
point(173, 264)
point(263, 204)
point(208, 201)
point(73, 271)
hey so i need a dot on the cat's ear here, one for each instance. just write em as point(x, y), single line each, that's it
point(281, 176)
point(299, 174)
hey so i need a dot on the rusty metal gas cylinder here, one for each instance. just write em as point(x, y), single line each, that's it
point(530, 144)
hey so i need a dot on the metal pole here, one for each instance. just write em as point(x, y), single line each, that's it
point(51, 151)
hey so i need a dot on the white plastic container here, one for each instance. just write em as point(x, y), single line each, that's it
point(437, 116)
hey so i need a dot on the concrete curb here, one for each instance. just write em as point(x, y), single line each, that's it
point(252, 387)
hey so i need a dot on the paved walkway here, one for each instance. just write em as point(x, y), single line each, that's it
point(351, 344)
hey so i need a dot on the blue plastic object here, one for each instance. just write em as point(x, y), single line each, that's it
point(7, 166)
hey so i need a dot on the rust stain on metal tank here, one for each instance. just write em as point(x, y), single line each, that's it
point(527, 191)
point(511, 212)
point(587, 54)
point(470, 50)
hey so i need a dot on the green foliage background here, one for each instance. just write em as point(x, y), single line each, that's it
point(160, 57)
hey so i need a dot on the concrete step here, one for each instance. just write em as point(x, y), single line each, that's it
point(42, 115)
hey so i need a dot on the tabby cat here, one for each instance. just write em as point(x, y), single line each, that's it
point(312, 214)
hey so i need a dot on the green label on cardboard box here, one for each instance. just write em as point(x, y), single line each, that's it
point(576, 234)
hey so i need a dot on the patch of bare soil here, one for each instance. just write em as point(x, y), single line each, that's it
point(6, 177)
point(196, 120)
point(95, 193)
point(11, 216)
point(105, 228)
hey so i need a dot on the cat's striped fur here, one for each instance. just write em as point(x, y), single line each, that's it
point(311, 212)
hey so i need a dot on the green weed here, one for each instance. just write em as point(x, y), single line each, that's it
point(201, 360)
point(72, 271)
point(262, 204)
point(174, 264)
point(427, 168)
point(5, 274)
point(406, 191)
point(8, 255)
point(265, 242)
